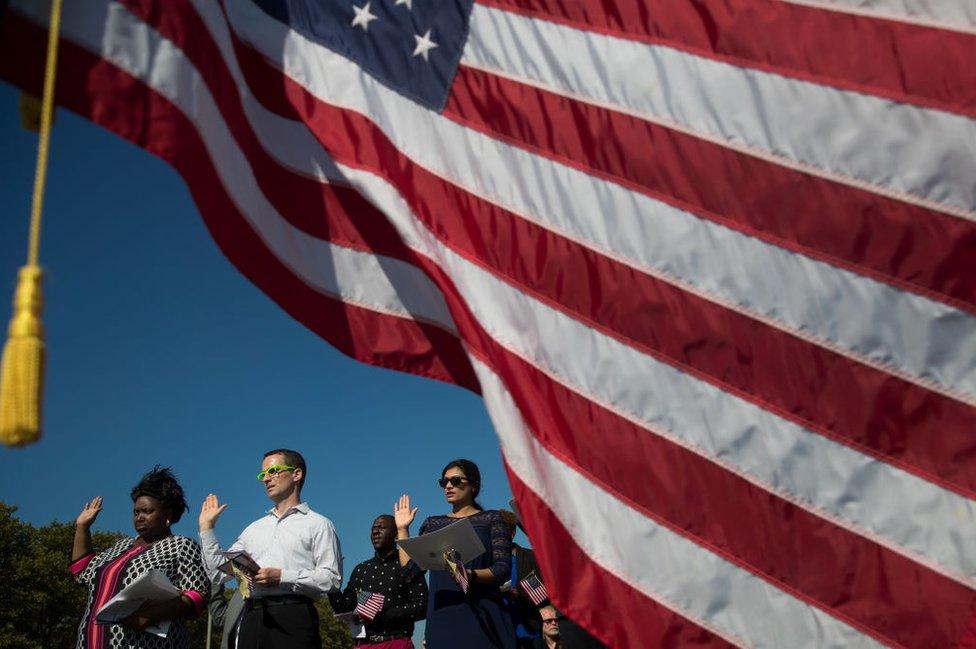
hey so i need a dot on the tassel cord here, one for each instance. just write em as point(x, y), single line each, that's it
point(47, 113)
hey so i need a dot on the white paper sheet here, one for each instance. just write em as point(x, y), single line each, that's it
point(153, 586)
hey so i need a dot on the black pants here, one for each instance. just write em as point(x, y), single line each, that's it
point(280, 626)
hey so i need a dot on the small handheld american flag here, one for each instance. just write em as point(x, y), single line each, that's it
point(368, 605)
point(457, 569)
point(534, 588)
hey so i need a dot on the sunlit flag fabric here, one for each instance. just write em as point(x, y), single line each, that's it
point(368, 605)
point(535, 589)
point(710, 264)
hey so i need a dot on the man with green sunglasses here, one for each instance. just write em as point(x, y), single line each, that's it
point(297, 552)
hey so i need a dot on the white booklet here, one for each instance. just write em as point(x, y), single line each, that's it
point(356, 627)
point(153, 586)
point(429, 550)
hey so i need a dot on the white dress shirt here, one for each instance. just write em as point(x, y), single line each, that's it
point(300, 542)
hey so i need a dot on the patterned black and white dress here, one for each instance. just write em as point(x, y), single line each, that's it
point(108, 572)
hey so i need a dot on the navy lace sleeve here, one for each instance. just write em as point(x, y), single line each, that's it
point(412, 570)
point(501, 548)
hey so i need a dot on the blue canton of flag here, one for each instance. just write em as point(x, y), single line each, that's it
point(412, 46)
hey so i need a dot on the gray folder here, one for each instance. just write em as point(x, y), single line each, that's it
point(428, 550)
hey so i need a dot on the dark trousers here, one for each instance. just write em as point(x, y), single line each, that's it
point(279, 626)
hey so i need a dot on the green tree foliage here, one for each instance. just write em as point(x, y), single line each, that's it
point(198, 633)
point(335, 634)
point(42, 606)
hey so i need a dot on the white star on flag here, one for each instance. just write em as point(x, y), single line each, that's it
point(363, 17)
point(409, 3)
point(424, 45)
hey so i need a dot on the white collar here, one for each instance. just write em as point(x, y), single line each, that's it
point(300, 507)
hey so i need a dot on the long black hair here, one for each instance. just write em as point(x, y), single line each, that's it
point(471, 472)
point(161, 484)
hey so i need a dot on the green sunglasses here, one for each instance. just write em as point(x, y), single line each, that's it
point(275, 470)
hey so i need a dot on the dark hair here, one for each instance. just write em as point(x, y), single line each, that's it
point(161, 484)
point(511, 520)
point(471, 472)
point(386, 517)
point(292, 458)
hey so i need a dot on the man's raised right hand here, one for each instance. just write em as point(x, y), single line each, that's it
point(210, 511)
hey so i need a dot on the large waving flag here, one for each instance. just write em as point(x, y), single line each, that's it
point(712, 264)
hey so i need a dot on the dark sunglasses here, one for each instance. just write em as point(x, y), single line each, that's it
point(454, 480)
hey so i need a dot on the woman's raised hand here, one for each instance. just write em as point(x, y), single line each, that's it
point(89, 512)
point(402, 513)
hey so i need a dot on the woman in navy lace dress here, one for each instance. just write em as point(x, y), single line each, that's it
point(477, 619)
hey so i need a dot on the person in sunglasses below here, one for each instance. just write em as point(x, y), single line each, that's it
point(550, 629)
point(298, 554)
point(478, 619)
point(560, 632)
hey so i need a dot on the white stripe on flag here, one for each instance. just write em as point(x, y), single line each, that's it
point(669, 568)
point(847, 134)
point(921, 340)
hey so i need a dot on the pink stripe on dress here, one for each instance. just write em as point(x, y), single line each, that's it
point(197, 599)
point(79, 565)
point(108, 582)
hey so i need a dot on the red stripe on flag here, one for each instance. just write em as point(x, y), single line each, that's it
point(894, 242)
point(904, 424)
point(907, 63)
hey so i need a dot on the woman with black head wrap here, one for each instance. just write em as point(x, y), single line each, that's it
point(157, 503)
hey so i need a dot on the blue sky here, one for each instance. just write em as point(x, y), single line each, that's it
point(159, 351)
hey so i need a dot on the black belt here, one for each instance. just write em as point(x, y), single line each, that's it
point(275, 600)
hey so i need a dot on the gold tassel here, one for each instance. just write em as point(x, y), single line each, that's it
point(22, 366)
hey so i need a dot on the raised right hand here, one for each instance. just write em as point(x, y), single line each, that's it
point(402, 513)
point(210, 511)
point(89, 512)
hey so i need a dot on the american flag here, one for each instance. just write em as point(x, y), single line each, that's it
point(710, 263)
point(457, 569)
point(535, 589)
point(368, 605)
